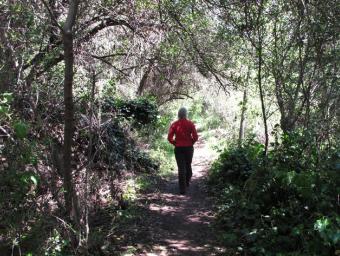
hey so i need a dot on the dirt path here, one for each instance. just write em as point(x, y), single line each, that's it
point(173, 224)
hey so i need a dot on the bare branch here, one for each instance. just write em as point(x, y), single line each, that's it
point(55, 21)
point(108, 56)
point(197, 50)
point(113, 66)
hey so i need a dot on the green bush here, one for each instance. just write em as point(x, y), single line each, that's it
point(282, 204)
point(120, 149)
point(141, 110)
point(235, 164)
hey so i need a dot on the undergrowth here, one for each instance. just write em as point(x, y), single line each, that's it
point(285, 203)
point(32, 217)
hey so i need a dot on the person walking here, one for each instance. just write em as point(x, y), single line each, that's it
point(185, 137)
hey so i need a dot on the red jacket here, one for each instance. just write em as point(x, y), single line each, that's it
point(185, 133)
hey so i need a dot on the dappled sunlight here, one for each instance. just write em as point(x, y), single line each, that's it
point(101, 101)
point(175, 224)
point(166, 209)
point(183, 245)
point(201, 217)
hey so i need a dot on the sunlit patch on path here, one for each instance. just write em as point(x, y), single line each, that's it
point(176, 224)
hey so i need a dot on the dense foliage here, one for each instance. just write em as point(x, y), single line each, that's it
point(142, 110)
point(282, 204)
point(31, 188)
point(88, 90)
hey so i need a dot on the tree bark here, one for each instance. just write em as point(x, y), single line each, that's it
point(242, 122)
point(259, 49)
point(8, 67)
point(143, 81)
point(7, 71)
point(263, 108)
point(70, 196)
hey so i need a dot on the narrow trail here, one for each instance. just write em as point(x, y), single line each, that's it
point(174, 224)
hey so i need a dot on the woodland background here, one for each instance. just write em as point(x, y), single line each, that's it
point(88, 90)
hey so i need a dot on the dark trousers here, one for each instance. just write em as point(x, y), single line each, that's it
point(184, 158)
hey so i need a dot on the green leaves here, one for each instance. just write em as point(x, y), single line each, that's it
point(229, 238)
point(141, 110)
point(21, 129)
point(5, 101)
point(329, 232)
point(303, 183)
point(6, 98)
point(278, 216)
point(29, 178)
point(34, 180)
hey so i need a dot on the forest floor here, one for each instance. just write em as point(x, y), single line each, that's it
point(166, 223)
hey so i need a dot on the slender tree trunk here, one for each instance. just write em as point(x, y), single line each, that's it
point(8, 69)
point(143, 81)
point(89, 158)
point(7, 72)
point(242, 122)
point(259, 49)
point(70, 197)
point(68, 119)
point(263, 108)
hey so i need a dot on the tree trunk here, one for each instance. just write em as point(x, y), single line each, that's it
point(70, 196)
point(7, 72)
point(8, 69)
point(242, 122)
point(143, 81)
point(68, 119)
point(259, 79)
point(89, 159)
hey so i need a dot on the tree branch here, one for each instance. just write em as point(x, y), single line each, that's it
point(40, 56)
point(54, 19)
point(197, 50)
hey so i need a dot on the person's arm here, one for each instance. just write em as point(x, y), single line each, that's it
point(171, 135)
point(194, 134)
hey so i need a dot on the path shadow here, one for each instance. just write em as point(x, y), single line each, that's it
point(165, 223)
point(172, 224)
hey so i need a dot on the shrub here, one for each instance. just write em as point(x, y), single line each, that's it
point(235, 164)
point(141, 110)
point(284, 204)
